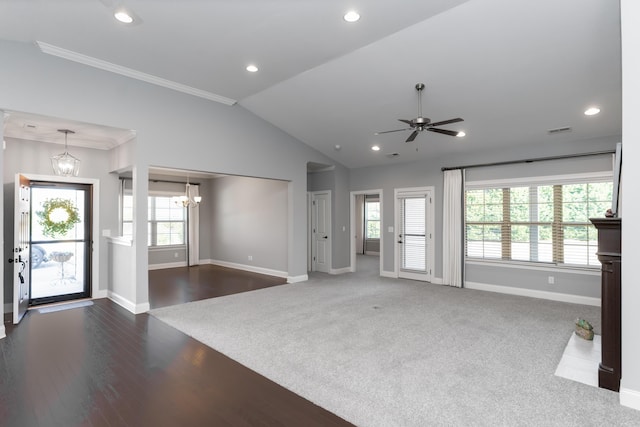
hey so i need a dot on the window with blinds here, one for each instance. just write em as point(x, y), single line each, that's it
point(546, 223)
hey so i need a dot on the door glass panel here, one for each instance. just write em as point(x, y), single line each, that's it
point(59, 244)
point(413, 216)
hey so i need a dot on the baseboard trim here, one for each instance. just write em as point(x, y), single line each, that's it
point(437, 281)
point(128, 305)
point(630, 398)
point(389, 274)
point(167, 265)
point(296, 279)
point(553, 296)
point(2, 332)
point(340, 270)
point(251, 268)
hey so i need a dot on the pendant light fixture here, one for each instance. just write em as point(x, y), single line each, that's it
point(189, 200)
point(65, 164)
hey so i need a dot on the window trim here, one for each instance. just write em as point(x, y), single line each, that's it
point(578, 178)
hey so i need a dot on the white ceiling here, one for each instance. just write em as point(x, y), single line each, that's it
point(511, 68)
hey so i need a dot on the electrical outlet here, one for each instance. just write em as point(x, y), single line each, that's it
point(552, 280)
point(250, 257)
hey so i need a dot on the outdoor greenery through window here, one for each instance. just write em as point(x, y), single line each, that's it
point(166, 225)
point(536, 223)
point(372, 215)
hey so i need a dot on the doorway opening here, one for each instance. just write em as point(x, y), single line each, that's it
point(367, 234)
point(60, 242)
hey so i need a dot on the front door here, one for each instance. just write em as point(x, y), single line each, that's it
point(414, 234)
point(20, 256)
point(321, 231)
point(60, 242)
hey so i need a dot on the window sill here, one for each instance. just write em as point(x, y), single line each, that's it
point(167, 247)
point(589, 271)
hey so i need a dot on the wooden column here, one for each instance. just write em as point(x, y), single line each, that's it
point(609, 254)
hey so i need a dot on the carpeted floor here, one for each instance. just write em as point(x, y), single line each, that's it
point(387, 352)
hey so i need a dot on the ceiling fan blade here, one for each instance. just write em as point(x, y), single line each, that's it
point(406, 121)
point(412, 136)
point(389, 131)
point(443, 131)
point(446, 122)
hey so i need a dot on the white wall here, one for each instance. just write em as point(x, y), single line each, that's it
point(630, 384)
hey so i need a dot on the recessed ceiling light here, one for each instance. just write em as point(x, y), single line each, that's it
point(352, 16)
point(252, 68)
point(337, 147)
point(123, 17)
point(375, 148)
point(461, 134)
point(592, 111)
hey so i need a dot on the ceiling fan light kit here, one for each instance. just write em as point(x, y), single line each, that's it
point(420, 123)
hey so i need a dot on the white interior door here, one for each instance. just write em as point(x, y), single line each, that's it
point(21, 249)
point(321, 231)
point(414, 234)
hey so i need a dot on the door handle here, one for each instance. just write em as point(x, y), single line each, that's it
point(10, 260)
point(325, 237)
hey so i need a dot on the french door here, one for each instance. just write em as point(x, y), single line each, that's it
point(60, 242)
point(414, 222)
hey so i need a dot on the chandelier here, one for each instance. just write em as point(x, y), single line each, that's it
point(191, 199)
point(65, 164)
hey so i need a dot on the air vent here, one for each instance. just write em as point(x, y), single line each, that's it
point(559, 130)
point(392, 155)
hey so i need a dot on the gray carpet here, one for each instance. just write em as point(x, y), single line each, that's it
point(386, 352)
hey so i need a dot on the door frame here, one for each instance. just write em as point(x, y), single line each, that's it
point(352, 227)
point(430, 224)
point(311, 233)
point(95, 253)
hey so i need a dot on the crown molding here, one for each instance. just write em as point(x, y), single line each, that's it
point(128, 72)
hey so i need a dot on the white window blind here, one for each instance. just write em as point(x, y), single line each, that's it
point(413, 233)
point(537, 223)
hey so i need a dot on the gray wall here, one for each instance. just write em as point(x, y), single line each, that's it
point(249, 218)
point(22, 156)
point(429, 173)
point(173, 130)
point(337, 181)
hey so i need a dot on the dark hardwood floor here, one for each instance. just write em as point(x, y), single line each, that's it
point(172, 286)
point(103, 366)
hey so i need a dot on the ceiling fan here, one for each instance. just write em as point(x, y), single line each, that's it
point(423, 123)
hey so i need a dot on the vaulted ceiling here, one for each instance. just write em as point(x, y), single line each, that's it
point(513, 69)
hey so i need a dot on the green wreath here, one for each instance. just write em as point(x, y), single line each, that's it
point(58, 217)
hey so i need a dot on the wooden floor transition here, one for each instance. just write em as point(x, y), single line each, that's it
point(100, 365)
